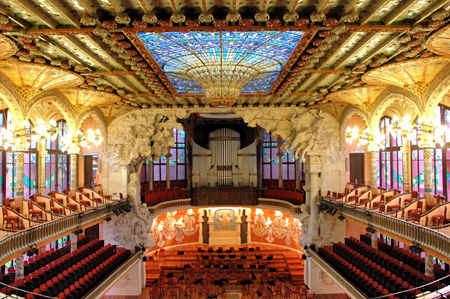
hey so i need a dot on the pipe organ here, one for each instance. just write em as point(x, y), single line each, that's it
point(225, 164)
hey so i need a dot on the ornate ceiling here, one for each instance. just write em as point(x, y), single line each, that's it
point(346, 46)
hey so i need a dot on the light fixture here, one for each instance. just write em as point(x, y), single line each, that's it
point(416, 129)
point(42, 131)
point(370, 229)
point(363, 137)
point(82, 139)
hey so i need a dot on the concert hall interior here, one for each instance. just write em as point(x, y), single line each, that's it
point(224, 149)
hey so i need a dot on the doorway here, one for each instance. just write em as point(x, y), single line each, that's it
point(357, 168)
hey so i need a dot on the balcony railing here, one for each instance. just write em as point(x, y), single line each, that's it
point(22, 240)
point(107, 283)
point(224, 196)
point(432, 239)
point(347, 286)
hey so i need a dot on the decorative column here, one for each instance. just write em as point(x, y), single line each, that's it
point(168, 169)
point(73, 173)
point(19, 268)
point(41, 171)
point(19, 168)
point(188, 129)
point(373, 171)
point(297, 174)
point(375, 240)
point(313, 167)
point(428, 159)
point(406, 167)
point(150, 175)
point(259, 156)
point(73, 242)
point(280, 163)
point(429, 266)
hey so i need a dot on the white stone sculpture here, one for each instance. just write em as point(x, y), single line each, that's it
point(134, 137)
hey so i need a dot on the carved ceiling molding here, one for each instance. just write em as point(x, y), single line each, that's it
point(438, 88)
point(7, 46)
point(439, 42)
point(57, 99)
point(11, 97)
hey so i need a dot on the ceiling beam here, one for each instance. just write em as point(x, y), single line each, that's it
point(56, 4)
point(115, 5)
point(376, 8)
point(398, 11)
point(124, 83)
point(325, 71)
point(143, 5)
point(430, 10)
point(116, 73)
point(83, 49)
point(350, 6)
point(322, 4)
point(87, 7)
point(42, 16)
point(18, 21)
point(360, 45)
point(62, 50)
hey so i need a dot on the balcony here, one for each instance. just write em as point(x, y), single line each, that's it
point(17, 242)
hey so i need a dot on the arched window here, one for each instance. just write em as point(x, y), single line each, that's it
point(57, 163)
point(177, 160)
point(270, 160)
point(390, 161)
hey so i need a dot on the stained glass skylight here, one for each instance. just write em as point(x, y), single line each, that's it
point(247, 62)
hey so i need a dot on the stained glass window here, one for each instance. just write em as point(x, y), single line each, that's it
point(182, 54)
point(10, 175)
point(270, 160)
point(418, 172)
point(30, 174)
point(177, 160)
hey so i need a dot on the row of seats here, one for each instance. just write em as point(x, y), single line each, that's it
point(414, 262)
point(293, 196)
point(382, 269)
point(145, 186)
point(371, 282)
point(156, 197)
point(275, 184)
point(41, 260)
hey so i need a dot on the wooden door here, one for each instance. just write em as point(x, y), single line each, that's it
point(88, 173)
point(357, 168)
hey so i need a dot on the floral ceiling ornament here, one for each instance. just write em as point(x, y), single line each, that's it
point(291, 16)
point(317, 17)
point(350, 18)
point(178, 18)
point(87, 20)
point(123, 18)
point(206, 17)
point(4, 19)
point(150, 18)
point(233, 17)
point(262, 16)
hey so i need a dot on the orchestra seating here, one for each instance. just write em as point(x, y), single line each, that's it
point(61, 274)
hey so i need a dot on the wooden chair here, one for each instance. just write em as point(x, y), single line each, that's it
point(35, 213)
point(9, 219)
point(8, 204)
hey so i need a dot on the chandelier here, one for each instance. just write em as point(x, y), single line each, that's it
point(82, 139)
point(411, 130)
point(223, 83)
point(364, 137)
point(13, 136)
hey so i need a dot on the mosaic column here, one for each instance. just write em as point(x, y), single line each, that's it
point(429, 266)
point(73, 242)
point(168, 170)
point(373, 171)
point(280, 169)
point(150, 175)
point(406, 168)
point(73, 173)
point(428, 160)
point(19, 184)
point(41, 174)
point(375, 240)
point(297, 174)
point(313, 167)
point(19, 268)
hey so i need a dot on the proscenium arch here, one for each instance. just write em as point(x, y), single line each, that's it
point(97, 115)
point(387, 98)
point(12, 99)
point(436, 90)
point(60, 102)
